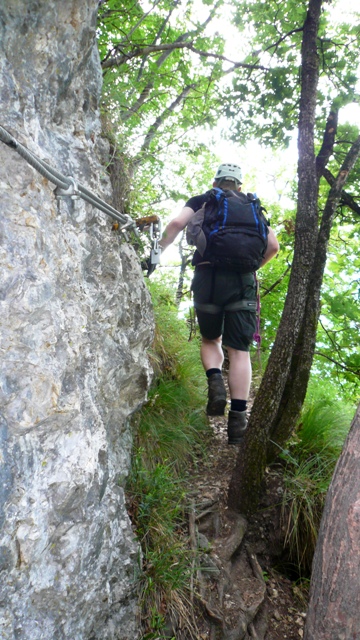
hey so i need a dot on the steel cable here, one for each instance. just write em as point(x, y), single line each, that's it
point(65, 183)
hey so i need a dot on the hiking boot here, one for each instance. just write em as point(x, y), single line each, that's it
point(236, 426)
point(216, 395)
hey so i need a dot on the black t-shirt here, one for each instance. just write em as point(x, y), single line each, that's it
point(196, 202)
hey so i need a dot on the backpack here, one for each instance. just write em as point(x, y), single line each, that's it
point(229, 230)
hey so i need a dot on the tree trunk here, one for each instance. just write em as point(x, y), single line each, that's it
point(334, 608)
point(296, 386)
point(121, 175)
point(245, 484)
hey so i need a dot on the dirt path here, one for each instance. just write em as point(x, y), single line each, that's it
point(242, 594)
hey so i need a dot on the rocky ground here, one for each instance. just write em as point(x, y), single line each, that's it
point(244, 593)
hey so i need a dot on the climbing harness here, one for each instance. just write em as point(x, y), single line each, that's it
point(257, 335)
point(239, 305)
point(66, 185)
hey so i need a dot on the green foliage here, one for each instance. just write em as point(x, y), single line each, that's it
point(156, 493)
point(267, 104)
point(171, 431)
point(156, 95)
point(337, 354)
point(154, 83)
point(157, 503)
point(167, 74)
point(310, 464)
point(159, 184)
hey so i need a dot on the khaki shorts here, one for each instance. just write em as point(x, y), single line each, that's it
point(214, 285)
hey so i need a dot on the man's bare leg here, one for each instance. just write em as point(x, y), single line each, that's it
point(240, 373)
point(239, 384)
point(211, 353)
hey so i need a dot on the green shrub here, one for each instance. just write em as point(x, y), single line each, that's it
point(310, 464)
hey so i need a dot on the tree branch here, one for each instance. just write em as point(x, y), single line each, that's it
point(336, 190)
point(327, 146)
point(286, 35)
point(331, 339)
point(345, 197)
point(159, 33)
point(162, 117)
point(139, 22)
point(218, 56)
point(111, 59)
point(342, 366)
point(275, 284)
point(139, 52)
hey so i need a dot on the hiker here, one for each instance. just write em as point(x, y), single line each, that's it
point(220, 286)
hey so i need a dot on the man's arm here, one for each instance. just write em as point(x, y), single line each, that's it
point(175, 226)
point(272, 247)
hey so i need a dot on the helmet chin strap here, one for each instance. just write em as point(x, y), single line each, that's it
point(236, 184)
point(229, 171)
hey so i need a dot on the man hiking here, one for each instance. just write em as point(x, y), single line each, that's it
point(224, 285)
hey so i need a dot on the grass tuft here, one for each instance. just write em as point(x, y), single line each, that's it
point(172, 431)
point(310, 464)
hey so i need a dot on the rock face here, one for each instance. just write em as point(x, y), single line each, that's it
point(75, 323)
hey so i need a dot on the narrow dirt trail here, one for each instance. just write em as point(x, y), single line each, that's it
point(242, 595)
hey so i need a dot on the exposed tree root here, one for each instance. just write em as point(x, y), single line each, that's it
point(229, 598)
point(228, 584)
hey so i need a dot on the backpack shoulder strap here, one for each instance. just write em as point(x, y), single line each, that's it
point(214, 202)
point(262, 211)
point(216, 194)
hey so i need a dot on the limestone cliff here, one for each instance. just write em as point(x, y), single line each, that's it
point(75, 323)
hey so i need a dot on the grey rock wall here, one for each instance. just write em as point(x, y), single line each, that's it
point(75, 323)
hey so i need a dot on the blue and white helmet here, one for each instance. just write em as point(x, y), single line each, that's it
point(229, 172)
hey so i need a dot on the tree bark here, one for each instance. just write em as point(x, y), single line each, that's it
point(334, 608)
point(121, 174)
